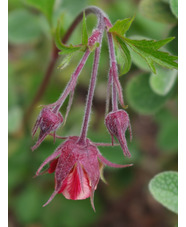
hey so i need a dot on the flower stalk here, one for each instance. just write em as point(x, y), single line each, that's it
point(77, 162)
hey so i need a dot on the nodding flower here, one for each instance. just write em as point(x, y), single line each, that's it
point(48, 121)
point(77, 162)
point(77, 169)
point(117, 122)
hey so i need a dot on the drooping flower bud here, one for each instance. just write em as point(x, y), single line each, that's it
point(47, 121)
point(117, 123)
point(77, 169)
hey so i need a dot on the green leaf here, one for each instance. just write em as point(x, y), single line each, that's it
point(45, 6)
point(152, 44)
point(69, 49)
point(162, 82)
point(173, 46)
point(167, 138)
point(66, 60)
point(29, 195)
point(123, 56)
point(14, 119)
point(65, 49)
point(157, 10)
point(174, 7)
point(84, 31)
point(121, 26)
point(141, 97)
point(148, 49)
point(164, 188)
point(23, 27)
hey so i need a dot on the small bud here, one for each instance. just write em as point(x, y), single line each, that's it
point(117, 123)
point(47, 121)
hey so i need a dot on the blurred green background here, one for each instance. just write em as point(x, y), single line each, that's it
point(152, 101)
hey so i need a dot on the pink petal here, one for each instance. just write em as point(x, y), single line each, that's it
point(80, 173)
point(53, 165)
point(91, 166)
point(72, 187)
point(65, 164)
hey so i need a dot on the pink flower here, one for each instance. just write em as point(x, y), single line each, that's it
point(77, 169)
point(47, 121)
point(117, 123)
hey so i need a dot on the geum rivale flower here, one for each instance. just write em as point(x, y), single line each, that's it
point(117, 122)
point(77, 169)
point(48, 121)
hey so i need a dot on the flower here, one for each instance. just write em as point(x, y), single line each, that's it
point(48, 121)
point(117, 123)
point(77, 169)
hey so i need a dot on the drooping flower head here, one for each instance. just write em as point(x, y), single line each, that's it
point(77, 169)
point(117, 122)
point(48, 121)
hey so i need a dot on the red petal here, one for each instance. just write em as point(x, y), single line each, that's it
point(53, 165)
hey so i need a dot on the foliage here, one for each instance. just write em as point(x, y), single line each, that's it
point(164, 188)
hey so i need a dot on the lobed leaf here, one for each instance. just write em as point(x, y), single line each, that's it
point(154, 44)
point(164, 188)
point(148, 49)
point(65, 49)
point(121, 26)
point(123, 55)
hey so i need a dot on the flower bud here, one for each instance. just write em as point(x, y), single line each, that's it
point(47, 121)
point(117, 123)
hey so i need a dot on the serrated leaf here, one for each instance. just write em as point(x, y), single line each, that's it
point(162, 82)
point(153, 44)
point(123, 56)
point(84, 31)
point(140, 96)
point(164, 188)
point(157, 10)
point(149, 51)
point(65, 49)
point(45, 6)
point(174, 7)
point(121, 26)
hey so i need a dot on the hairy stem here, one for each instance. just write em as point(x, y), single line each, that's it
point(113, 66)
point(70, 86)
point(83, 134)
point(54, 57)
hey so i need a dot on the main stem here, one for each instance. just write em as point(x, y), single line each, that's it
point(83, 134)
